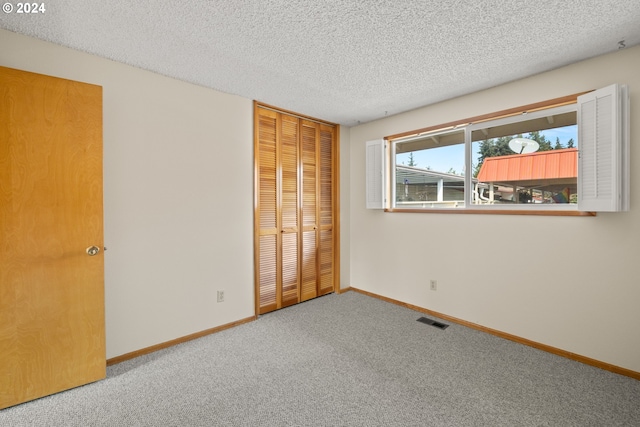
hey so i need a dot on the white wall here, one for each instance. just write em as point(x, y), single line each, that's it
point(178, 196)
point(568, 282)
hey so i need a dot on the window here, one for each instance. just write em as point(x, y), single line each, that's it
point(528, 159)
point(429, 170)
point(525, 160)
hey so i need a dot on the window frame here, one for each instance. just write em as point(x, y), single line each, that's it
point(469, 126)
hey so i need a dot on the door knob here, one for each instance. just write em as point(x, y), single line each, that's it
point(93, 250)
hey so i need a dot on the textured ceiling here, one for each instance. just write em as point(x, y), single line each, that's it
point(344, 61)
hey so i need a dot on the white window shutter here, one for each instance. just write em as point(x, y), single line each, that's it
point(375, 184)
point(603, 144)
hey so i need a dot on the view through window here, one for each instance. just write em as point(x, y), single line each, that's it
point(529, 159)
point(430, 170)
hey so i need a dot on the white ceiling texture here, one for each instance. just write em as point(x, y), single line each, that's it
point(343, 61)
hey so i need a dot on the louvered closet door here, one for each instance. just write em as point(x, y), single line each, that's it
point(277, 210)
point(326, 197)
point(267, 226)
point(289, 212)
point(309, 210)
point(295, 189)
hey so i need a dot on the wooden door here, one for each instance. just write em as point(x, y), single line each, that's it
point(266, 211)
point(52, 332)
point(295, 209)
point(327, 195)
point(277, 210)
point(289, 210)
point(309, 252)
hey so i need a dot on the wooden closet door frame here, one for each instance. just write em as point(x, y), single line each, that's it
point(335, 200)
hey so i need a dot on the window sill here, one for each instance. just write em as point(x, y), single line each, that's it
point(494, 212)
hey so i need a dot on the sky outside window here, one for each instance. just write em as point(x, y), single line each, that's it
point(451, 158)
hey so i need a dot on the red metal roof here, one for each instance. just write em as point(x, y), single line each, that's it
point(552, 164)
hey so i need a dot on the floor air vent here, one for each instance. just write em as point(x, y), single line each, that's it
point(433, 323)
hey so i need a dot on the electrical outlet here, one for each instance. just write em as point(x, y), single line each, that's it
point(433, 285)
point(220, 296)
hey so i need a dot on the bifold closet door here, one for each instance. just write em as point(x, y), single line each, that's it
point(266, 210)
point(277, 232)
point(327, 211)
point(294, 209)
point(318, 142)
point(289, 207)
point(310, 133)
